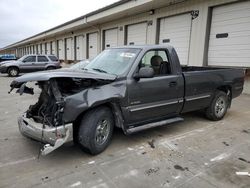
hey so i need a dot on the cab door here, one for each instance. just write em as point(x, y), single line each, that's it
point(160, 97)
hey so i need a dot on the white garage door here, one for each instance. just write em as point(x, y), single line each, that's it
point(33, 49)
point(69, 49)
point(60, 48)
point(110, 38)
point(137, 34)
point(48, 48)
point(37, 49)
point(176, 31)
point(53, 48)
point(80, 50)
point(43, 48)
point(229, 42)
point(92, 45)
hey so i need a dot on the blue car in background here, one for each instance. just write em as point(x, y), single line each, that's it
point(7, 57)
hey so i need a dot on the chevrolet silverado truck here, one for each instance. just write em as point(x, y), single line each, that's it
point(132, 87)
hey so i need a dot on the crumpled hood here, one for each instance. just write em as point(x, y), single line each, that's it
point(60, 73)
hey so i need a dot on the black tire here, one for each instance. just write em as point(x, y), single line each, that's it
point(13, 71)
point(218, 108)
point(50, 68)
point(89, 138)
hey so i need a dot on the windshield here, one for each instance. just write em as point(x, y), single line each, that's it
point(22, 58)
point(80, 65)
point(113, 61)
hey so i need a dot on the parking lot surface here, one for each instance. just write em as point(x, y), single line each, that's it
point(193, 153)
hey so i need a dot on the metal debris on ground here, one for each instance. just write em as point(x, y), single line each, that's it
point(243, 173)
point(152, 143)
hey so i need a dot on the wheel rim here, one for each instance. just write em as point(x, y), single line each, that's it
point(102, 131)
point(13, 72)
point(220, 106)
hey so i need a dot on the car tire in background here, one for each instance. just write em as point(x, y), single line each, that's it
point(218, 108)
point(96, 129)
point(13, 71)
point(50, 68)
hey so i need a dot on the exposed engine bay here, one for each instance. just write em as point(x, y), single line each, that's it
point(50, 105)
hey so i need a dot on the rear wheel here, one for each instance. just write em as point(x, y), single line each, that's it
point(96, 129)
point(13, 71)
point(50, 68)
point(218, 108)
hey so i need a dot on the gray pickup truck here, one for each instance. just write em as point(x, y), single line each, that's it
point(133, 88)
point(29, 63)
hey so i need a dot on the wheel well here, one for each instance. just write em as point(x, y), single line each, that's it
point(228, 90)
point(115, 109)
point(50, 66)
point(12, 67)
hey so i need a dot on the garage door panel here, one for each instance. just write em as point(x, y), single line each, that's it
point(233, 49)
point(231, 54)
point(234, 34)
point(48, 48)
point(43, 48)
point(176, 32)
point(232, 15)
point(111, 38)
point(229, 61)
point(80, 51)
point(61, 49)
point(241, 27)
point(69, 49)
point(231, 8)
point(92, 45)
point(231, 41)
point(232, 21)
point(137, 34)
point(53, 48)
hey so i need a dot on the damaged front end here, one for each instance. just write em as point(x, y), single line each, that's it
point(47, 120)
point(43, 121)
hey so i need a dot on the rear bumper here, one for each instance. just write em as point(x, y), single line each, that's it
point(47, 135)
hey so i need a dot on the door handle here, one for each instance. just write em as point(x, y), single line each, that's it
point(172, 84)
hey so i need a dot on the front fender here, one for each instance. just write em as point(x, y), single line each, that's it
point(89, 98)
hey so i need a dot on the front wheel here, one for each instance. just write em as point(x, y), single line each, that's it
point(96, 129)
point(218, 108)
point(13, 71)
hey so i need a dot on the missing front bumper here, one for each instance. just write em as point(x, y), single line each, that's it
point(53, 137)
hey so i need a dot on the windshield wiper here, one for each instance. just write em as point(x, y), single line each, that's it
point(103, 71)
point(100, 70)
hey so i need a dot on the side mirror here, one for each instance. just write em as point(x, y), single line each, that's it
point(144, 72)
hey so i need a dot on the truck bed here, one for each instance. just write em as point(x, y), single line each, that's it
point(202, 82)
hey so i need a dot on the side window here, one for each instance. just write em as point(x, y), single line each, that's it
point(158, 60)
point(41, 58)
point(30, 59)
point(53, 58)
